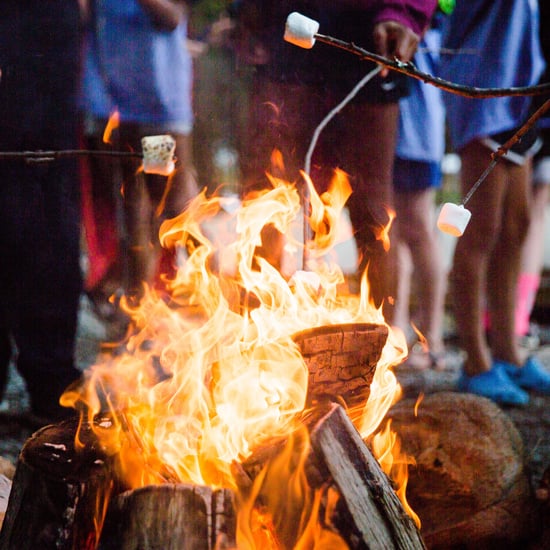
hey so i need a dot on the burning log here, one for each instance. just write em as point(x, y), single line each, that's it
point(369, 513)
point(178, 517)
point(61, 496)
point(56, 492)
point(341, 359)
point(375, 511)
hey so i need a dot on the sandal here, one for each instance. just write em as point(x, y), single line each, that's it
point(494, 384)
point(531, 376)
point(420, 358)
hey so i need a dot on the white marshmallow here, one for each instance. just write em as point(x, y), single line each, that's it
point(301, 30)
point(158, 154)
point(453, 219)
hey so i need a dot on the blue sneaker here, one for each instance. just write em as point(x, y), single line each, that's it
point(495, 385)
point(532, 376)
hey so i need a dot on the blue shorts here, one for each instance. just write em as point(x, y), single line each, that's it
point(415, 175)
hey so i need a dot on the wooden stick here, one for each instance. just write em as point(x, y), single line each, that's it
point(410, 70)
point(47, 156)
point(503, 149)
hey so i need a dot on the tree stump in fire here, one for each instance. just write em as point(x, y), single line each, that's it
point(60, 498)
point(341, 359)
point(171, 517)
point(469, 483)
point(56, 491)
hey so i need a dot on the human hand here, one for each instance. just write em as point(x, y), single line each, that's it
point(84, 6)
point(395, 40)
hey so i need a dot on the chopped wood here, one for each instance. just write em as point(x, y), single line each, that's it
point(171, 517)
point(376, 512)
point(56, 492)
point(341, 359)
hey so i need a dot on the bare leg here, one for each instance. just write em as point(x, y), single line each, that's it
point(487, 262)
point(283, 117)
point(182, 185)
point(416, 228)
point(401, 316)
point(371, 166)
point(168, 198)
point(472, 253)
point(532, 258)
point(504, 265)
point(141, 254)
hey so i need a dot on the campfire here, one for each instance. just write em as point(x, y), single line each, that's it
point(244, 409)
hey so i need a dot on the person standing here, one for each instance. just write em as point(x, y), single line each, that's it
point(135, 63)
point(417, 176)
point(503, 37)
point(40, 277)
point(532, 261)
point(293, 90)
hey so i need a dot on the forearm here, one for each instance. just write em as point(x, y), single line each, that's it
point(165, 14)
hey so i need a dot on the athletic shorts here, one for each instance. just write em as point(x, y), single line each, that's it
point(415, 175)
point(527, 147)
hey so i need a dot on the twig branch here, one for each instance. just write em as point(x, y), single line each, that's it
point(505, 147)
point(410, 70)
point(47, 156)
point(406, 68)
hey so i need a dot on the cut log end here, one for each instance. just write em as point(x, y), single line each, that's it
point(342, 359)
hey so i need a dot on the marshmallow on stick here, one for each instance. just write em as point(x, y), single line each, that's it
point(158, 154)
point(453, 219)
point(301, 30)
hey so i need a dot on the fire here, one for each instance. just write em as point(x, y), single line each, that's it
point(112, 124)
point(211, 371)
point(386, 447)
point(288, 516)
point(383, 233)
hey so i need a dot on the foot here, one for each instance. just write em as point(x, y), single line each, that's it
point(532, 376)
point(494, 384)
point(423, 359)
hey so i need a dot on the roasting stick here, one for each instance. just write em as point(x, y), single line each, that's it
point(453, 219)
point(48, 156)
point(303, 32)
point(307, 164)
point(157, 154)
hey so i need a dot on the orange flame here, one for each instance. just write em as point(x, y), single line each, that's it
point(112, 124)
point(384, 231)
point(421, 338)
point(387, 448)
point(211, 370)
point(289, 515)
point(418, 403)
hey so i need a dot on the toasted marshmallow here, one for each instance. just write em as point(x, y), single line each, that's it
point(158, 154)
point(453, 219)
point(300, 30)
